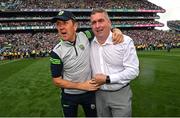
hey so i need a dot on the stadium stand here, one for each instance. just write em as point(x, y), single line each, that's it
point(25, 27)
point(174, 25)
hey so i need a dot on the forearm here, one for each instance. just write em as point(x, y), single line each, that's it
point(61, 83)
point(125, 76)
point(88, 85)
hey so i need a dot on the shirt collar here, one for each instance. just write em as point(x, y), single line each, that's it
point(108, 41)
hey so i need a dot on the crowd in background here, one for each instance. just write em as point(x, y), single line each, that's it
point(81, 23)
point(26, 45)
point(153, 39)
point(174, 24)
point(82, 4)
point(39, 44)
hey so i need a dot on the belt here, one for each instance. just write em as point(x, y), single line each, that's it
point(125, 85)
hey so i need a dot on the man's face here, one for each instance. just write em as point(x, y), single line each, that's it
point(100, 25)
point(66, 30)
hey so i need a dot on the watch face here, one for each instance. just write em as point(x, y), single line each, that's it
point(107, 79)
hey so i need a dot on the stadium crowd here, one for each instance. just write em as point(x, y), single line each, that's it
point(81, 23)
point(153, 39)
point(175, 22)
point(174, 25)
point(39, 44)
point(81, 4)
point(33, 45)
point(26, 45)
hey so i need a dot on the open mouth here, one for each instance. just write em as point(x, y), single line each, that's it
point(98, 31)
point(63, 33)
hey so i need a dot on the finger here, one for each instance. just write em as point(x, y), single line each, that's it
point(92, 82)
point(92, 89)
point(96, 85)
point(93, 79)
point(122, 37)
point(116, 39)
point(113, 36)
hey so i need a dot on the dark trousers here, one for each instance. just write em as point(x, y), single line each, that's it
point(70, 104)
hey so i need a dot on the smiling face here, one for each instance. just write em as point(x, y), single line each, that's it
point(101, 25)
point(66, 30)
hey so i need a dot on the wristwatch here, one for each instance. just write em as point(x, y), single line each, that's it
point(108, 79)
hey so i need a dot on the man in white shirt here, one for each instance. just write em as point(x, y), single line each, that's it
point(113, 67)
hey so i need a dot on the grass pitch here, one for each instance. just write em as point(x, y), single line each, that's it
point(26, 88)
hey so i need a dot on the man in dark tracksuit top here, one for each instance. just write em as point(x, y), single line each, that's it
point(70, 67)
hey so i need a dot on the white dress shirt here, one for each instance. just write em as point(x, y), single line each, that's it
point(119, 61)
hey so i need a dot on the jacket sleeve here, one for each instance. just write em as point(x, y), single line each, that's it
point(89, 34)
point(56, 65)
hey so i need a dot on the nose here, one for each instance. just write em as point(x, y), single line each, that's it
point(97, 25)
point(61, 27)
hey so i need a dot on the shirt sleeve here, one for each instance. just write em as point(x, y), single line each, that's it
point(56, 65)
point(89, 34)
point(131, 66)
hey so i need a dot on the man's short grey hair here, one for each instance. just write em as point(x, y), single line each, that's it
point(100, 10)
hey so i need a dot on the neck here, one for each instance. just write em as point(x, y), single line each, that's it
point(103, 39)
point(73, 38)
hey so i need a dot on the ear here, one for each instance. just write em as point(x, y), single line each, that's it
point(75, 26)
point(110, 22)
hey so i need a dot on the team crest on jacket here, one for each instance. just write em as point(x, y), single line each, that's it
point(81, 46)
